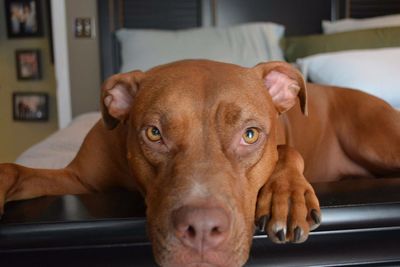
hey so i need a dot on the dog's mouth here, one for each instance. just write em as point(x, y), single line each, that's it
point(171, 252)
point(203, 264)
point(183, 258)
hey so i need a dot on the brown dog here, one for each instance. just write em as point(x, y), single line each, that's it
point(204, 143)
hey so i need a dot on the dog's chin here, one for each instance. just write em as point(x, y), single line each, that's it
point(201, 264)
point(186, 258)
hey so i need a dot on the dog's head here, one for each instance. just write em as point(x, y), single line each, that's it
point(201, 143)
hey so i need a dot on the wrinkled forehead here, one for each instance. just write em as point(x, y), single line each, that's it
point(203, 87)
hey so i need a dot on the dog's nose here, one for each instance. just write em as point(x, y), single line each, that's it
point(201, 228)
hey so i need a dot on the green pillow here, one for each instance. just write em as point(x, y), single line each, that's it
point(302, 46)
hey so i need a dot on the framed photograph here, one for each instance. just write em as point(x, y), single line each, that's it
point(24, 18)
point(28, 64)
point(30, 106)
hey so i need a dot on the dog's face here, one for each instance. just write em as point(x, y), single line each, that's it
point(201, 143)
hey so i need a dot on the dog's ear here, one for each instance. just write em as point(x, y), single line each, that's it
point(284, 83)
point(117, 95)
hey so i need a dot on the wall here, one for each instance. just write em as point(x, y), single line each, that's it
point(15, 137)
point(84, 59)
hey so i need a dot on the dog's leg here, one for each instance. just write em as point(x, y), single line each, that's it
point(18, 182)
point(100, 164)
point(287, 207)
point(370, 135)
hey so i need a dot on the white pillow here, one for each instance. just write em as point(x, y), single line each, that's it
point(345, 25)
point(57, 150)
point(244, 45)
point(375, 71)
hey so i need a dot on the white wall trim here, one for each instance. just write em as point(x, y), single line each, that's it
point(61, 61)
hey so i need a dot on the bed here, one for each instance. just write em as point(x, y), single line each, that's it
point(361, 221)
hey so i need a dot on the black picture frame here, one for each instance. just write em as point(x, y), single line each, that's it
point(24, 18)
point(28, 63)
point(30, 106)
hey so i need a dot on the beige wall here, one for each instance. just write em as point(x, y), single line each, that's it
point(83, 59)
point(15, 137)
point(85, 81)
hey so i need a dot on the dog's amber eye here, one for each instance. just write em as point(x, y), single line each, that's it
point(153, 134)
point(251, 135)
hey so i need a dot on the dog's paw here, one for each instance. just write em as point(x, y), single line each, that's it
point(287, 209)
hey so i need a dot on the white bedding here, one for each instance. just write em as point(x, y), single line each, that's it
point(245, 45)
point(350, 24)
point(374, 71)
point(60, 148)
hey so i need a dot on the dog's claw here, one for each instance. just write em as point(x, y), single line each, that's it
point(315, 216)
point(297, 234)
point(262, 223)
point(280, 235)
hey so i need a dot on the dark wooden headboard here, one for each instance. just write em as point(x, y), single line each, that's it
point(298, 17)
point(144, 14)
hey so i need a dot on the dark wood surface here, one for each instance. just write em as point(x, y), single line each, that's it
point(360, 225)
